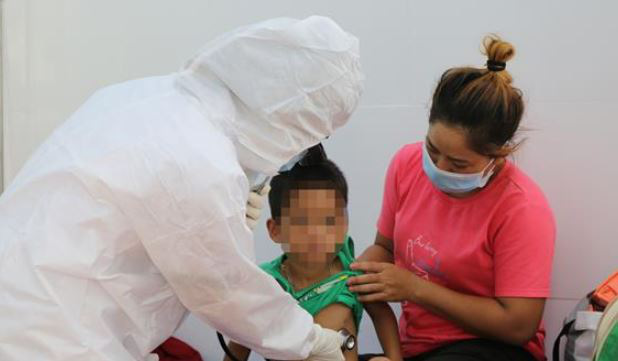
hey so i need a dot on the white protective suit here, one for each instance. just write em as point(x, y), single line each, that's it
point(133, 211)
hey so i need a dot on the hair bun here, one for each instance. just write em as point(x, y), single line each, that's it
point(498, 53)
point(498, 50)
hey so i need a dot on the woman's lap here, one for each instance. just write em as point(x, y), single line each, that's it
point(476, 350)
point(469, 350)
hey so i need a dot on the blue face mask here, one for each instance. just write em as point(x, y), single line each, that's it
point(454, 182)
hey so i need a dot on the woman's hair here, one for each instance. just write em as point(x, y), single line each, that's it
point(482, 101)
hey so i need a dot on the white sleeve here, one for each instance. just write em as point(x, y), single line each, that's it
point(204, 249)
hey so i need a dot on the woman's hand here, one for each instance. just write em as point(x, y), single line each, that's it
point(383, 282)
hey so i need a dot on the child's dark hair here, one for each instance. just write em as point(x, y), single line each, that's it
point(482, 101)
point(322, 175)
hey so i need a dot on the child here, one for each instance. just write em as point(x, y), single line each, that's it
point(309, 220)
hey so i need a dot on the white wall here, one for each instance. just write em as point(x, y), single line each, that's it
point(58, 52)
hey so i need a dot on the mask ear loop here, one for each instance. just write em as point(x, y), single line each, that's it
point(486, 170)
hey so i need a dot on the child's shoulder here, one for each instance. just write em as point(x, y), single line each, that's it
point(272, 267)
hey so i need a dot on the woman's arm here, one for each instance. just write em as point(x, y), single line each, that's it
point(385, 324)
point(509, 319)
point(380, 251)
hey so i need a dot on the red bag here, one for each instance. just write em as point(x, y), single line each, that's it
point(175, 350)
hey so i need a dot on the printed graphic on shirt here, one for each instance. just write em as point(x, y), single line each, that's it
point(422, 258)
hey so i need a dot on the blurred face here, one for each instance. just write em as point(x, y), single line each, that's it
point(448, 148)
point(312, 229)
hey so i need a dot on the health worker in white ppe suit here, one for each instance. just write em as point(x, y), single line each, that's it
point(133, 211)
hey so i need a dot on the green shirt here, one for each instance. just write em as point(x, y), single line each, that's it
point(330, 290)
point(609, 349)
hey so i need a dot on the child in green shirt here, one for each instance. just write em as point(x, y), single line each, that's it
point(309, 220)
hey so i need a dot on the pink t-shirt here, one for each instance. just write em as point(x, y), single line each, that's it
point(498, 242)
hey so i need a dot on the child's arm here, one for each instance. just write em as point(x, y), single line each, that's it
point(385, 324)
point(336, 317)
point(239, 351)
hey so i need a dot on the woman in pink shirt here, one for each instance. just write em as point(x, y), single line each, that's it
point(465, 239)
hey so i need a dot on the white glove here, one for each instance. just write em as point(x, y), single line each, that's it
point(327, 346)
point(255, 203)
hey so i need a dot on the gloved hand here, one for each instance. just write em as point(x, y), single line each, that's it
point(327, 346)
point(255, 203)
